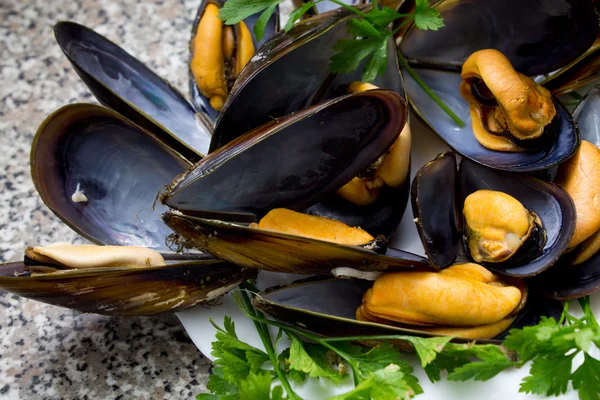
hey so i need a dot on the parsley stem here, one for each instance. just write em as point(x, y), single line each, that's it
point(575, 95)
point(263, 331)
point(429, 92)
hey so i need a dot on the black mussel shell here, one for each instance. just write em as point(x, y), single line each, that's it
point(560, 147)
point(580, 72)
point(201, 103)
point(552, 204)
point(324, 6)
point(291, 72)
point(565, 281)
point(121, 82)
point(435, 212)
point(294, 161)
point(278, 252)
point(537, 36)
point(125, 291)
point(309, 304)
point(118, 166)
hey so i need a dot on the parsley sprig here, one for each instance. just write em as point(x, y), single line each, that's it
point(244, 372)
point(371, 32)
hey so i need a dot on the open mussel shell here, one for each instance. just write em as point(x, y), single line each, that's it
point(560, 147)
point(309, 304)
point(566, 281)
point(293, 69)
point(125, 291)
point(552, 204)
point(324, 6)
point(201, 102)
point(278, 252)
point(116, 167)
point(121, 82)
point(539, 38)
point(331, 143)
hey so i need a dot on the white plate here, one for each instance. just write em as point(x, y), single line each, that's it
point(425, 146)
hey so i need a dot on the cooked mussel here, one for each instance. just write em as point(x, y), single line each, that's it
point(299, 243)
point(515, 224)
point(310, 305)
point(255, 173)
point(117, 280)
point(100, 174)
point(465, 300)
point(536, 43)
point(124, 84)
point(509, 111)
point(219, 53)
point(577, 273)
point(499, 228)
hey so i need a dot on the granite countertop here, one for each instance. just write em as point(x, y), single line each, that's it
point(49, 352)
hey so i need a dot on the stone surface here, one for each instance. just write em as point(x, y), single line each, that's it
point(50, 352)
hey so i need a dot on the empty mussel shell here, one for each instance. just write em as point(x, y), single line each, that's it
point(538, 39)
point(446, 85)
point(331, 143)
point(125, 291)
point(121, 82)
point(587, 115)
point(291, 72)
point(309, 304)
point(201, 102)
point(433, 209)
point(273, 251)
point(100, 174)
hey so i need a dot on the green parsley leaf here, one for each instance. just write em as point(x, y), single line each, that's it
point(351, 52)
point(262, 21)
point(217, 383)
point(256, 386)
point(383, 384)
point(428, 348)
point(234, 11)
point(383, 16)
point(297, 14)
point(525, 341)
point(293, 374)
point(313, 359)
point(479, 370)
point(362, 28)
point(548, 376)
point(586, 379)
point(427, 17)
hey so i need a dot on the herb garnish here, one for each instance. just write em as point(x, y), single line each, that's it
point(381, 373)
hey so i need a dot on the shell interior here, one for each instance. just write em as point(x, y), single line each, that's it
point(123, 83)
point(118, 167)
point(446, 85)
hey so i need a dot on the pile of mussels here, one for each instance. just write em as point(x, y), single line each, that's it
point(280, 165)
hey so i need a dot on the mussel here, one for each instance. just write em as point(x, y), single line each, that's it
point(535, 43)
point(293, 68)
point(577, 273)
point(514, 224)
point(117, 280)
point(309, 304)
point(509, 111)
point(339, 138)
point(219, 52)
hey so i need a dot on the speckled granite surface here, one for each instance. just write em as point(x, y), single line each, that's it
point(48, 352)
